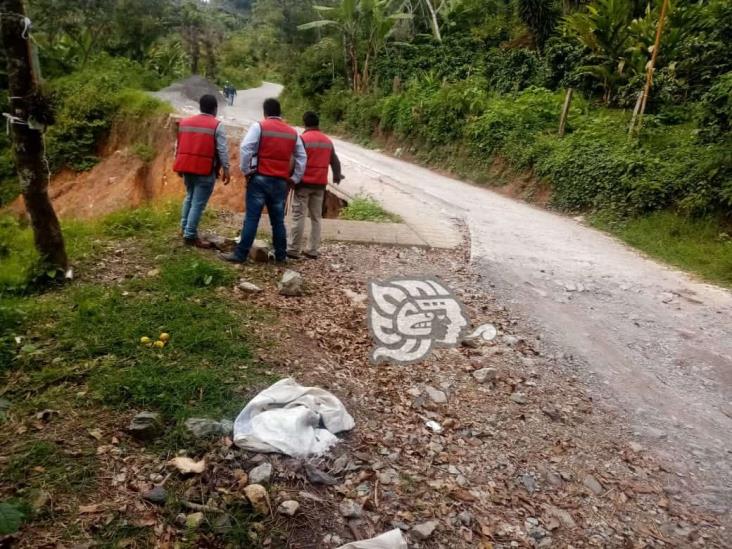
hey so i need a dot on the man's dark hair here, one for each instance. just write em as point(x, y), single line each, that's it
point(310, 119)
point(272, 107)
point(208, 104)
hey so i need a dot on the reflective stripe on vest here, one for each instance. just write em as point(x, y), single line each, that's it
point(196, 152)
point(319, 148)
point(276, 146)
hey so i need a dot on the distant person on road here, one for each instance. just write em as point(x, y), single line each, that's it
point(229, 93)
point(310, 192)
point(272, 156)
point(201, 151)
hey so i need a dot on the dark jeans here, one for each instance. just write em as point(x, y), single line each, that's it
point(264, 191)
point(198, 191)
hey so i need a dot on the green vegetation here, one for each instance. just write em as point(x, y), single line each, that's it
point(469, 85)
point(366, 209)
point(695, 245)
point(72, 362)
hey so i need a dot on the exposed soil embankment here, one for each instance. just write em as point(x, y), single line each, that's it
point(123, 179)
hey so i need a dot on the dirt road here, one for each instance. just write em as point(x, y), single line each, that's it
point(651, 342)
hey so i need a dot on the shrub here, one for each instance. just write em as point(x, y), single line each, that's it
point(715, 119)
point(513, 70)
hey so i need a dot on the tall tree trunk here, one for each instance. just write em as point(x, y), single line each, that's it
point(28, 147)
point(210, 58)
point(433, 21)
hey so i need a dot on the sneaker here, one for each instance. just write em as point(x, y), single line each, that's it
point(198, 243)
point(293, 255)
point(232, 258)
point(311, 255)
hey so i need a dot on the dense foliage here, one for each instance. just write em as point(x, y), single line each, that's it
point(492, 81)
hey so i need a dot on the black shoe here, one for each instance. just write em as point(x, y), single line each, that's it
point(311, 256)
point(198, 243)
point(232, 258)
point(293, 255)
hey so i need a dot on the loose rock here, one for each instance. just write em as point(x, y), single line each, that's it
point(437, 396)
point(291, 284)
point(260, 474)
point(316, 476)
point(248, 287)
point(157, 495)
point(145, 426)
point(259, 252)
point(257, 496)
point(424, 531)
point(350, 509)
point(484, 375)
point(202, 427)
point(592, 484)
point(519, 398)
point(288, 508)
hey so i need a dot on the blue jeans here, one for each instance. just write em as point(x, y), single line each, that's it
point(264, 191)
point(198, 191)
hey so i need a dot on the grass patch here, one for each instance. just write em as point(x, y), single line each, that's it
point(366, 209)
point(695, 245)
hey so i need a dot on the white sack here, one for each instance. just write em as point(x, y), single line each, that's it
point(392, 539)
point(286, 418)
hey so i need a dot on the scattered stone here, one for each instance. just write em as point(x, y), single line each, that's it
point(202, 427)
point(388, 477)
point(466, 518)
point(437, 396)
point(316, 476)
point(157, 495)
point(291, 284)
point(153, 272)
point(561, 515)
point(332, 540)
point(471, 342)
point(221, 243)
point(551, 412)
point(529, 482)
point(260, 474)
point(288, 508)
point(194, 520)
point(350, 509)
point(257, 496)
point(592, 484)
point(259, 252)
point(510, 340)
point(248, 287)
point(145, 426)
point(519, 398)
point(667, 297)
point(554, 479)
point(485, 374)
point(635, 447)
point(424, 531)
point(433, 426)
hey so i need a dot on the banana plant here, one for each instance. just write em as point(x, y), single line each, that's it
point(365, 26)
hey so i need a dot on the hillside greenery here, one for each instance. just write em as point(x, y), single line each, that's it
point(464, 85)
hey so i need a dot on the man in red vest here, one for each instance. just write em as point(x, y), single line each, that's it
point(310, 192)
point(201, 149)
point(272, 157)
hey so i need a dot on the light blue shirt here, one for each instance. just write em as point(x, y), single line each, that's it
point(250, 146)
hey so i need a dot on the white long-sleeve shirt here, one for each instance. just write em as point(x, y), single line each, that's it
point(250, 146)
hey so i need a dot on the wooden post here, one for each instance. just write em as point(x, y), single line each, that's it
point(28, 146)
point(651, 67)
point(565, 111)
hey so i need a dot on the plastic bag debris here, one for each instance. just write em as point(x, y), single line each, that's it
point(393, 539)
point(287, 418)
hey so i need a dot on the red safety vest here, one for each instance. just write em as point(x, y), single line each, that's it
point(319, 148)
point(196, 152)
point(276, 147)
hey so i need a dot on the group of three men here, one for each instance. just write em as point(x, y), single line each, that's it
point(274, 158)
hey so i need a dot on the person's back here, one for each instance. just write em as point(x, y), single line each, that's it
point(201, 148)
point(272, 157)
point(310, 193)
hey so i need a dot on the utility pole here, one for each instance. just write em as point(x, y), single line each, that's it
point(28, 146)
